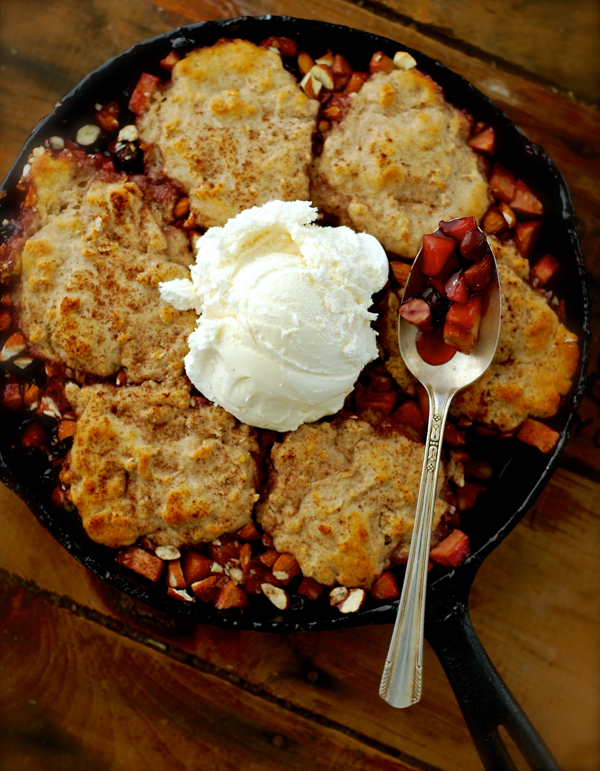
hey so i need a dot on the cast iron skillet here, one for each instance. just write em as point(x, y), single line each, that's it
point(522, 471)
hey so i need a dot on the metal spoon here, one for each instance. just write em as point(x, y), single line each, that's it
point(403, 671)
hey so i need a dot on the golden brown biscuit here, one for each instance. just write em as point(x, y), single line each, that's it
point(145, 461)
point(88, 295)
point(342, 500)
point(234, 128)
point(398, 163)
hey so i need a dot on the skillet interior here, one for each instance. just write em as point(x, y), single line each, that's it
point(522, 471)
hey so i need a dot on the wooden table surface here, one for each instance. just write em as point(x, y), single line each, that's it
point(90, 679)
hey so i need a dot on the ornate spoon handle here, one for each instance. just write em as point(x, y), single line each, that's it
point(402, 674)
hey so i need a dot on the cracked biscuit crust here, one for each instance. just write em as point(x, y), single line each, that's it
point(342, 500)
point(234, 128)
point(146, 462)
point(398, 163)
point(88, 294)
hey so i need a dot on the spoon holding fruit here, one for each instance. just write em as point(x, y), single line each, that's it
point(448, 331)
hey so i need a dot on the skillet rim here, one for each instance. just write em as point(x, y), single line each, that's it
point(445, 582)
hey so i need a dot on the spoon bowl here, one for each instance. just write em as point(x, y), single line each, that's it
point(402, 675)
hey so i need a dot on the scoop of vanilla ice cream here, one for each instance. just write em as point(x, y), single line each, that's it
point(284, 328)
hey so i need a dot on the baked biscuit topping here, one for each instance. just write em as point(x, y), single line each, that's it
point(146, 462)
point(255, 124)
point(342, 500)
point(398, 163)
point(88, 295)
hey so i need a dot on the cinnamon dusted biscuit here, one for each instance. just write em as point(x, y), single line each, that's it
point(398, 162)
point(88, 294)
point(234, 128)
point(145, 461)
point(342, 500)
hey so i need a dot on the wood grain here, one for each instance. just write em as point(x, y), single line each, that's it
point(544, 39)
point(75, 695)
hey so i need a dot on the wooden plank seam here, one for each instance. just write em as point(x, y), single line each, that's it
point(64, 603)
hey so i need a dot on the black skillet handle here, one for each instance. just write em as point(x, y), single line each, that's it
point(483, 697)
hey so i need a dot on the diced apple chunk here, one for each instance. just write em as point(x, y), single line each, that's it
point(461, 329)
point(436, 251)
point(140, 98)
point(142, 562)
point(452, 551)
point(502, 183)
point(538, 434)
point(543, 270)
point(310, 589)
point(385, 587)
point(525, 202)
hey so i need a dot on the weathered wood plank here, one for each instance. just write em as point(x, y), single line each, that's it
point(75, 695)
point(543, 39)
point(535, 605)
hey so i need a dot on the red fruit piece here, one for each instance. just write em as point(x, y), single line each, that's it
point(169, 61)
point(502, 183)
point(310, 588)
point(370, 399)
point(356, 82)
point(439, 282)
point(524, 201)
point(467, 495)
point(543, 270)
point(12, 396)
point(249, 532)
point(140, 98)
point(380, 62)
point(416, 311)
point(337, 107)
point(231, 596)
point(454, 437)
point(479, 274)
point(456, 288)
point(452, 551)
point(461, 329)
point(34, 436)
point(436, 251)
point(141, 562)
point(206, 589)
point(474, 245)
point(526, 234)
point(195, 566)
point(284, 45)
point(458, 228)
point(258, 574)
point(484, 141)
point(385, 588)
point(538, 434)
point(410, 418)
point(432, 347)
point(342, 72)
point(108, 117)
